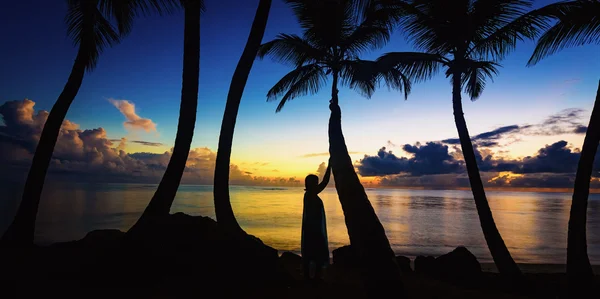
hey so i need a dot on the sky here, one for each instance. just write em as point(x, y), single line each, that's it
point(124, 118)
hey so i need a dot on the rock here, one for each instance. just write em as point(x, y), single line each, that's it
point(103, 238)
point(424, 265)
point(404, 264)
point(290, 258)
point(291, 267)
point(345, 256)
point(459, 265)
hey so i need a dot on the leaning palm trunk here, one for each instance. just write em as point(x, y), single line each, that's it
point(161, 202)
point(579, 270)
point(502, 258)
point(224, 212)
point(367, 236)
point(21, 231)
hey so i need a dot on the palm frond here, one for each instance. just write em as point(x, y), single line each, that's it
point(364, 76)
point(162, 7)
point(416, 66)
point(123, 11)
point(304, 80)
point(487, 17)
point(366, 37)
point(291, 49)
point(426, 23)
point(360, 75)
point(577, 24)
point(500, 25)
point(88, 29)
point(324, 22)
point(475, 75)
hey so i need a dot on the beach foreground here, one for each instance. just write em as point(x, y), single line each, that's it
point(189, 256)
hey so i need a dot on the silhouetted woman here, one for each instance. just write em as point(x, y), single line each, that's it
point(315, 249)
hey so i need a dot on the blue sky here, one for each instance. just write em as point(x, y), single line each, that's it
point(145, 69)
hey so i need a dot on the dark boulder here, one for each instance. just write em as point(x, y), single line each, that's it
point(290, 267)
point(290, 258)
point(404, 264)
point(459, 266)
point(425, 265)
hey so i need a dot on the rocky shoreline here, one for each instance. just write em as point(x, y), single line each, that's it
point(188, 256)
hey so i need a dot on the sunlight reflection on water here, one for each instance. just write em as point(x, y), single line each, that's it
point(533, 225)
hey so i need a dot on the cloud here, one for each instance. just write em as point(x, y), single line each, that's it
point(440, 164)
point(325, 154)
point(146, 143)
point(90, 155)
point(488, 139)
point(134, 121)
point(431, 158)
point(567, 121)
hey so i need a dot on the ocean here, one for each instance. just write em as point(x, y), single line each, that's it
point(432, 222)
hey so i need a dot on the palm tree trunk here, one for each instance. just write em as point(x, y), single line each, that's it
point(367, 235)
point(502, 258)
point(223, 210)
point(161, 202)
point(22, 229)
point(579, 270)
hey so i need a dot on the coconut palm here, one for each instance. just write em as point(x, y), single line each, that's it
point(223, 210)
point(89, 25)
point(576, 23)
point(333, 37)
point(160, 204)
point(467, 38)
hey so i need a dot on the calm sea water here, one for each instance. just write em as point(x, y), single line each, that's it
point(534, 225)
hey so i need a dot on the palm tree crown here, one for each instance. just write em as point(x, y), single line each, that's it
point(334, 35)
point(577, 24)
point(467, 37)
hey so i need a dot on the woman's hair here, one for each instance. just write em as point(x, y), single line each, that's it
point(311, 180)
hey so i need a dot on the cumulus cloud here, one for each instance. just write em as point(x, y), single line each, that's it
point(435, 165)
point(134, 121)
point(90, 154)
point(431, 158)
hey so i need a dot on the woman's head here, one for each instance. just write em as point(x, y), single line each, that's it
point(311, 182)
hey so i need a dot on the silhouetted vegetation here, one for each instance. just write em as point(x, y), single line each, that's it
point(335, 34)
point(176, 253)
point(467, 39)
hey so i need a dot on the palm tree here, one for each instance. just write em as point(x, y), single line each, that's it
point(223, 210)
point(88, 24)
point(160, 204)
point(333, 37)
point(468, 38)
point(577, 23)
